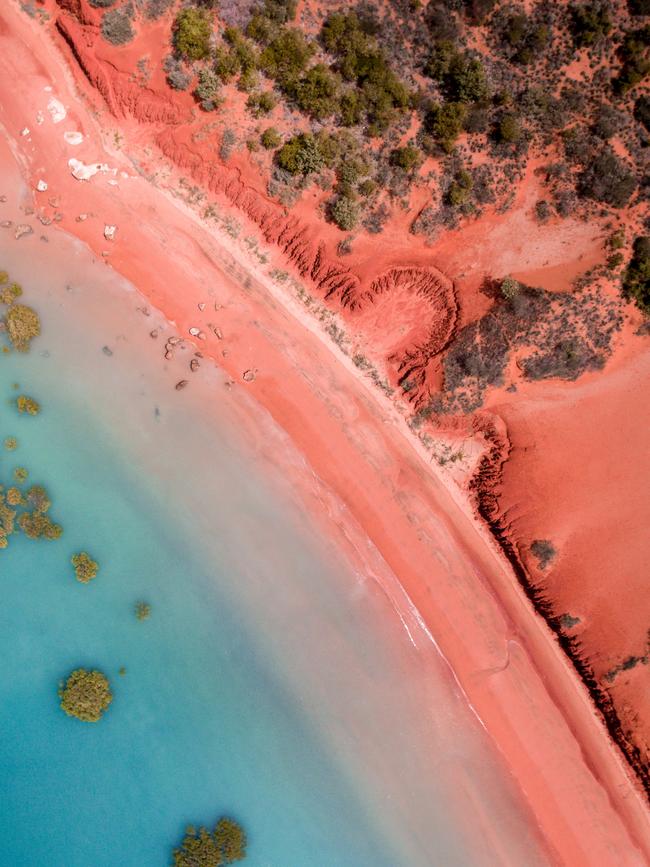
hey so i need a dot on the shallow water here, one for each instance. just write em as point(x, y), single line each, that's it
point(273, 682)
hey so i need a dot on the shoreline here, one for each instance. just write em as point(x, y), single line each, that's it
point(340, 428)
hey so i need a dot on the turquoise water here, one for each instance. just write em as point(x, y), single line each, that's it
point(271, 682)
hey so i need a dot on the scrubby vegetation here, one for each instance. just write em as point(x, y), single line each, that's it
point(27, 405)
point(544, 551)
point(85, 568)
point(142, 610)
point(301, 155)
point(636, 283)
point(556, 335)
point(117, 25)
point(344, 211)
point(25, 511)
point(394, 88)
point(86, 695)
point(22, 324)
point(270, 138)
point(192, 32)
point(226, 844)
point(208, 90)
point(608, 179)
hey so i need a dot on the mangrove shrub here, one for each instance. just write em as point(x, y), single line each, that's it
point(86, 695)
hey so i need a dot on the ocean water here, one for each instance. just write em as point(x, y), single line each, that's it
point(273, 682)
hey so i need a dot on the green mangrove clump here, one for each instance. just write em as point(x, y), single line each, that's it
point(14, 497)
point(28, 405)
point(37, 497)
point(7, 521)
point(85, 567)
point(200, 848)
point(142, 610)
point(35, 524)
point(23, 325)
point(86, 695)
point(9, 294)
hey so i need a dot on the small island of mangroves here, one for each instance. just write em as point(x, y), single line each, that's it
point(84, 695)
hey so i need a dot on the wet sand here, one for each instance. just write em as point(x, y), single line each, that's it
point(505, 660)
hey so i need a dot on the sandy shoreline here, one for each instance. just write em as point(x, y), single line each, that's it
point(504, 658)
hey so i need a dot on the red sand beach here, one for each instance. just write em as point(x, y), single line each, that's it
point(581, 793)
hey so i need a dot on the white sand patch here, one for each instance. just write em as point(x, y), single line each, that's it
point(73, 138)
point(83, 172)
point(57, 110)
point(41, 186)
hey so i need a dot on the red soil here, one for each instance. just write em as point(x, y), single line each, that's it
point(577, 475)
point(505, 660)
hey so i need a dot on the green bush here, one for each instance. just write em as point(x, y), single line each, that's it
point(270, 138)
point(208, 90)
point(361, 60)
point(242, 49)
point(524, 40)
point(406, 158)
point(465, 80)
point(508, 129)
point(590, 23)
point(445, 123)
point(352, 107)
point(301, 155)
point(439, 62)
point(642, 111)
point(280, 11)
point(636, 282)
point(86, 695)
point(607, 179)
point(633, 53)
point(226, 844)
point(367, 188)
point(192, 32)
point(261, 29)
point(286, 57)
point(261, 104)
point(317, 92)
point(226, 63)
point(344, 211)
point(510, 288)
point(460, 189)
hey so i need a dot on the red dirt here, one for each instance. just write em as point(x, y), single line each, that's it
point(575, 451)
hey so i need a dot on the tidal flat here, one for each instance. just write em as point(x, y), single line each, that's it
point(271, 682)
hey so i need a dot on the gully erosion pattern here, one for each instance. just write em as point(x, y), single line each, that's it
point(337, 283)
